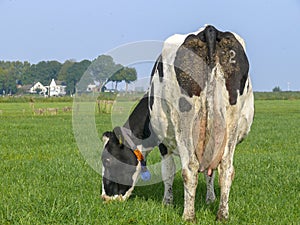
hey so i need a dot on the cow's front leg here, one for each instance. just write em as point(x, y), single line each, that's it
point(168, 172)
point(210, 191)
point(226, 174)
point(190, 168)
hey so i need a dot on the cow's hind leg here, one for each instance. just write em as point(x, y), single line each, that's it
point(168, 171)
point(190, 167)
point(210, 191)
point(226, 175)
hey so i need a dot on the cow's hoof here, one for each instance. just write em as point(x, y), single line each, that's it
point(222, 216)
point(105, 198)
point(168, 201)
point(189, 218)
point(210, 198)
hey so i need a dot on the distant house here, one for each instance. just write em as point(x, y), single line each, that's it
point(38, 88)
point(56, 89)
point(25, 88)
point(91, 88)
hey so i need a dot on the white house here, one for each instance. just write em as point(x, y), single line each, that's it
point(38, 87)
point(56, 89)
point(91, 88)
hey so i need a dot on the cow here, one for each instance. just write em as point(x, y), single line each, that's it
point(199, 106)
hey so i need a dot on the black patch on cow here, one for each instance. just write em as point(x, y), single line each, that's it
point(112, 188)
point(139, 123)
point(151, 100)
point(234, 63)
point(248, 87)
point(154, 69)
point(158, 66)
point(139, 120)
point(191, 66)
point(163, 149)
point(184, 105)
point(199, 54)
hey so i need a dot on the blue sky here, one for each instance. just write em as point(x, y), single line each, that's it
point(35, 30)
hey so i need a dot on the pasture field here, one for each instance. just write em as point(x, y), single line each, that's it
point(44, 179)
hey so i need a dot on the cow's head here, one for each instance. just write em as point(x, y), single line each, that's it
point(120, 167)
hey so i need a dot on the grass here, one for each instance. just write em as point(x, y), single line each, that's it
point(282, 95)
point(45, 180)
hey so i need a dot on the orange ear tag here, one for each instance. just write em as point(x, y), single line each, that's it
point(138, 155)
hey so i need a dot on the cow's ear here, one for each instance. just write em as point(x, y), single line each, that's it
point(119, 136)
point(107, 135)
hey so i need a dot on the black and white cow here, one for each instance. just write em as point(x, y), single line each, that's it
point(199, 106)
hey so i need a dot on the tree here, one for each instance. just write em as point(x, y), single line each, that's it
point(24, 78)
point(74, 74)
point(117, 77)
point(63, 73)
point(44, 71)
point(125, 74)
point(3, 80)
point(51, 71)
point(277, 89)
point(102, 69)
point(10, 74)
point(130, 76)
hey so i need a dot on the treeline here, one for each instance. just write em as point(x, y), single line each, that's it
point(15, 75)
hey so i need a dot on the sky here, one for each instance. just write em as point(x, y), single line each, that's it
point(36, 30)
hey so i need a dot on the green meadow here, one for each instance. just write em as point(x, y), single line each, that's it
point(44, 179)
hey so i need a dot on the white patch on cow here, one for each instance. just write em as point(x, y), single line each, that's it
point(246, 110)
point(168, 171)
point(145, 151)
point(135, 177)
point(167, 90)
point(103, 189)
point(105, 141)
point(210, 193)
